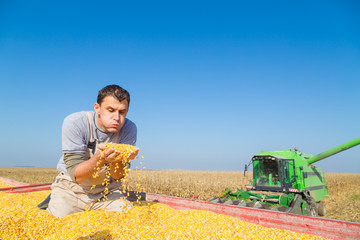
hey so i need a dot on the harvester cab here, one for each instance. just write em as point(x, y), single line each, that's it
point(285, 181)
point(272, 173)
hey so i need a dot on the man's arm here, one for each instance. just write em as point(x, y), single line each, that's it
point(85, 169)
point(79, 169)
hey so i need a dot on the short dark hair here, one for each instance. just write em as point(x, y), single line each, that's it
point(115, 91)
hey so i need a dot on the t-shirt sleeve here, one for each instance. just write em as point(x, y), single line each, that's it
point(71, 161)
point(74, 141)
point(74, 134)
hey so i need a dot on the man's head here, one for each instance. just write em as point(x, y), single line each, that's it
point(111, 108)
point(115, 91)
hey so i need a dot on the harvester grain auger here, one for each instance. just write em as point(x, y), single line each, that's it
point(285, 181)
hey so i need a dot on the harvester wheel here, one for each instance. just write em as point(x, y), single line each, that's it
point(309, 209)
point(321, 208)
point(313, 210)
point(310, 206)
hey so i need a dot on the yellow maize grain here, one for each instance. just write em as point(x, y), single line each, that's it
point(21, 219)
point(3, 185)
point(123, 149)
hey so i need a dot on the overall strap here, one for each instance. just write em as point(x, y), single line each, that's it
point(90, 126)
point(92, 142)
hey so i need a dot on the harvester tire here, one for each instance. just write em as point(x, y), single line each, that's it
point(311, 205)
point(321, 208)
point(313, 210)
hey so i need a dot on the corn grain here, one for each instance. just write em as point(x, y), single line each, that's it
point(21, 219)
point(124, 151)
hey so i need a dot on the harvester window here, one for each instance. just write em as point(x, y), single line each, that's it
point(268, 173)
point(289, 171)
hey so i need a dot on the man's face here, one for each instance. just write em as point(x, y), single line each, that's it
point(111, 114)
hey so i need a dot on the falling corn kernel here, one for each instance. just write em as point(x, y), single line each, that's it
point(124, 151)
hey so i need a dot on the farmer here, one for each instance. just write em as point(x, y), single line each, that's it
point(83, 134)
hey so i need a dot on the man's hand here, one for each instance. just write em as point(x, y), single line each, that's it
point(132, 155)
point(113, 156)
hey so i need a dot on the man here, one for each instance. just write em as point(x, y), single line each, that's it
point(83, 134)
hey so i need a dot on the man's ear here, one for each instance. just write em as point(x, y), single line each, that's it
point(97, 108)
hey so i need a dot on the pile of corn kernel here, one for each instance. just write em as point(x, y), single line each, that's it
point(21, 219)
point(124, 149)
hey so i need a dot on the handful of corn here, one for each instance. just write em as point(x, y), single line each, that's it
point(123, 149)
point(21, 219)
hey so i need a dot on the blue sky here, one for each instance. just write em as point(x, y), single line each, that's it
point(212, 82)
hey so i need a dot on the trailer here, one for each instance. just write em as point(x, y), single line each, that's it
point(329, 228)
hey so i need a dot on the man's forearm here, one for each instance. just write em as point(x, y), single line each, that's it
point(117, 170)
point(85, 169)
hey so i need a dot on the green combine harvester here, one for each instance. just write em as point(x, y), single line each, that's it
point(285, 181)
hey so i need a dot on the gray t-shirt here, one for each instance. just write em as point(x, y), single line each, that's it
point(76, 135)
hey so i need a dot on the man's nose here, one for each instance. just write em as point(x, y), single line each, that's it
point(116, 117)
